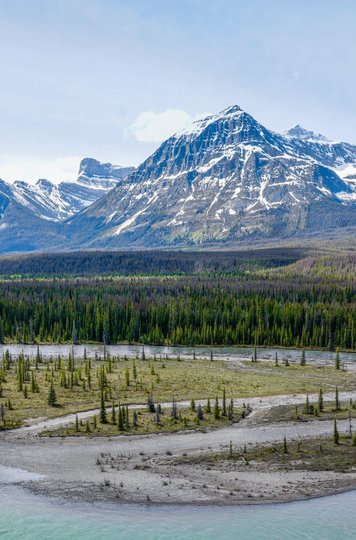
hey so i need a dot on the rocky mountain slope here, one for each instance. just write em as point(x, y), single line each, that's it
point(30, 214)
point(227, 178)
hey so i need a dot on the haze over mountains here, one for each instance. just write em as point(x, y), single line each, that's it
point(224, 180)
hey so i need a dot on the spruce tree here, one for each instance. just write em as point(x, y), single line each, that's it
point(321, 400)
point(231, 410)
point(103, 415)
point(231, 454)
point(121, 420)
point(113, 414)
point(303, 359)
point(336, 433)
point(337, 360)
point(200, 415)
point(216, 409)
point(52, 398)
point(285, 447)
point(224, 403)
point(208, 406)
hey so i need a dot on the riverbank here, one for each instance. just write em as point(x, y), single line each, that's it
point(175, 468)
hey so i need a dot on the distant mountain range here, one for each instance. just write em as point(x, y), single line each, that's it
point(226, 179)
point(31, 214)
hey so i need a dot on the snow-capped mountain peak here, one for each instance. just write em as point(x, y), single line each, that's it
point(299, 132)
point(225, 178)
point(31, 213)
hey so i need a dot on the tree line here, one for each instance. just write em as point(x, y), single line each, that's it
point(185, 310)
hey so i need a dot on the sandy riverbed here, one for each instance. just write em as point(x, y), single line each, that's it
point(150, 468)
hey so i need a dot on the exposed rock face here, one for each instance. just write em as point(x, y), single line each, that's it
point(30, 214)
point(225, 179)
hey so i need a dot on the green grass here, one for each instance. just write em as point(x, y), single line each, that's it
point(319, 454)
point(163, 379)
point(147, 423)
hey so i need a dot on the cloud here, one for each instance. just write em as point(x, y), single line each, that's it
point(156, 127)
point(31, 169)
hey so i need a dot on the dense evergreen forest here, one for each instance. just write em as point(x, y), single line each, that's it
point(272, 307)
point(147, 262)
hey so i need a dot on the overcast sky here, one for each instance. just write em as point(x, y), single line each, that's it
point(110, 79)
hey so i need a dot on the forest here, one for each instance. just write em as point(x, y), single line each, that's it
point(285, 305)
point(147, 262)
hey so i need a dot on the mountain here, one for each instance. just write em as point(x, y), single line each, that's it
point(30, 214)
point(226, 179)
point(58, 202)
point(299, 132)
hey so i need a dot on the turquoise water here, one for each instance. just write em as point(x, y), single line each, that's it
point(23, 516)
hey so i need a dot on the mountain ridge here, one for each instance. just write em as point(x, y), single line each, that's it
point(224, 179)
point(31, 214)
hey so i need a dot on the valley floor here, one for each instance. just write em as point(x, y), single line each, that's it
point(223, 466)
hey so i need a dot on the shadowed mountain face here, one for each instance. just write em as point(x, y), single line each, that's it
point(224, 180)
point(227, 178)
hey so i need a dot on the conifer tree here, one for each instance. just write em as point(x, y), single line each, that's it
point(200, 415)
point(208, 406)
point(336, 433)
point(121, 419)
point(127, 376)
point(174, 410)
point(74, 334)
point(285, 447)
point(231, 453)
point(224, 403)
point(103, 415)
point(321, 400)
point(303, 359)
point(337, 360)
point(231, 410)
point(52, 398)
point(216, 409)
point(113, 414)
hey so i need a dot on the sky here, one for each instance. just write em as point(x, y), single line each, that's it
point(111, 79)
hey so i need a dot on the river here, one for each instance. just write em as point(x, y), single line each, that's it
point(27, 517)
point(324, 357)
